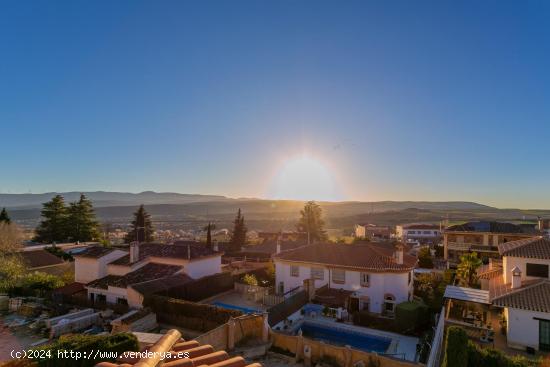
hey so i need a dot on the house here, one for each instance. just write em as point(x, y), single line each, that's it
point(482, 237)
point(44, 261)
point(372, 231)
point(117, 276)
point(368, 277)
point(423, 233)
point(515, 290)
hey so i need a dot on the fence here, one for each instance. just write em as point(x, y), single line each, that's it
point(251, 292)
point(235, 331)
point(316, 351)
point(190, 315)
point(291, 304)
point(437, 344)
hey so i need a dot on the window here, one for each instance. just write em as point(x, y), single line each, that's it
point(412, 232)
point(365, 304)
point(365, 279)
point(294, 271)
point(101, 298)
point(537, 270)
point(122, 301)
point(427, 232)
point(318, 273)
point(389, 303)
point(338, 276)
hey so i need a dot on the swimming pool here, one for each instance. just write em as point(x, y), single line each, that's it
point(244, 310)
point(341, 336)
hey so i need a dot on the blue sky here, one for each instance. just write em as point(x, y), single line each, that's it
point(400, 100)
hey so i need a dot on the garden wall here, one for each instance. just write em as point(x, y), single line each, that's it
point(343, 356)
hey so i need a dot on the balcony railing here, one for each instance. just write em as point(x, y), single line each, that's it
point(464, 246)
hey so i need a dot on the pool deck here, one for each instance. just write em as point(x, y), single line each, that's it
point(400, 346)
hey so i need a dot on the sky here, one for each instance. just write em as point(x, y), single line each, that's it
point(393, 100)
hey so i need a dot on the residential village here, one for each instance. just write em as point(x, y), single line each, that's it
point(394, 296)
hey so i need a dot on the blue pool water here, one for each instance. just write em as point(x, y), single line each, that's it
point(244, 310)
point(341, 336)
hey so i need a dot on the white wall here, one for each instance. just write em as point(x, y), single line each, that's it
point(204, 266)
point(396, 284)
point(87, 269)
point(509, 262)
point(112, 293)
point(522, 328)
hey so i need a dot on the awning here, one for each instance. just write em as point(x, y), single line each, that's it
point(467, 294)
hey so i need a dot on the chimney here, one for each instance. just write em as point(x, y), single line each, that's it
point(215, 246)
point(134, 252)
point(399, 254)
point(516, 278)
point(278, 245)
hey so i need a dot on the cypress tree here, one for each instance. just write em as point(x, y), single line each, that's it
point(141, 229)
point(81, 222)
point(4, 217)
point(238, 237)
point(53, 227)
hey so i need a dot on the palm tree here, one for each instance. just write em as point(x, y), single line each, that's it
point(467, 269)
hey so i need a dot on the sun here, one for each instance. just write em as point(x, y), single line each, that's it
point(304, 178)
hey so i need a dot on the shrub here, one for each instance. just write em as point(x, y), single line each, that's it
point(411, 316)
point(456, 351)
point(118, 343)
point(489, 357)
point(250, 279)
point(425, 258)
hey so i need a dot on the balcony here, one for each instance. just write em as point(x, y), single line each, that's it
point(460, 246)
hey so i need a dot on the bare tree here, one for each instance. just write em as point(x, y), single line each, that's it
point(12, 268)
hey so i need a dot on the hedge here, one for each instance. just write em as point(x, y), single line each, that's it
point(410, 316)
point(89, 344)
point(456, 348)
point(489, 357)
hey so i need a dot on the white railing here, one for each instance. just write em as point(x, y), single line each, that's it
point(458, 246)
point(437, 342)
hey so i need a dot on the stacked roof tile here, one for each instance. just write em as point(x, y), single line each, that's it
point(181, 354)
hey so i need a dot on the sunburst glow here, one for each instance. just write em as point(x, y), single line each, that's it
point(304, 178)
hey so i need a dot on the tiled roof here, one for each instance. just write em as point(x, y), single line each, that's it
point(39, 258)
point(533, 297)
point(70, 289)
point(485, 226)
point(270, 246)
point(196, 355)
point(196, 250)
point(161, 284)
point(372, 257)
point(94, 251)
point(146, 273)
point(485, 272)
point(536, 247)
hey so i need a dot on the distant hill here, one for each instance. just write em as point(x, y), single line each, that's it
point(192, 210)
point(104, 198)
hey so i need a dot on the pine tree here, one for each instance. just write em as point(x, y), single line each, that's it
point(311, 222)
point(4, 217)
point(238, 237)
point(209, 229)
point(141, 229)
point(53, 227)
point(81, 222)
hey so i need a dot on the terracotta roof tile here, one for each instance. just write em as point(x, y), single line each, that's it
point(39, 258)
point(532, 297)
point(536, 247)
point(198, 355)
point(372, 257)
point(146, 273)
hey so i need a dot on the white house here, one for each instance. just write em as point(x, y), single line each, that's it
point(372, 277)
point(418, 232)
point(113, 276)
point(519, 287)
